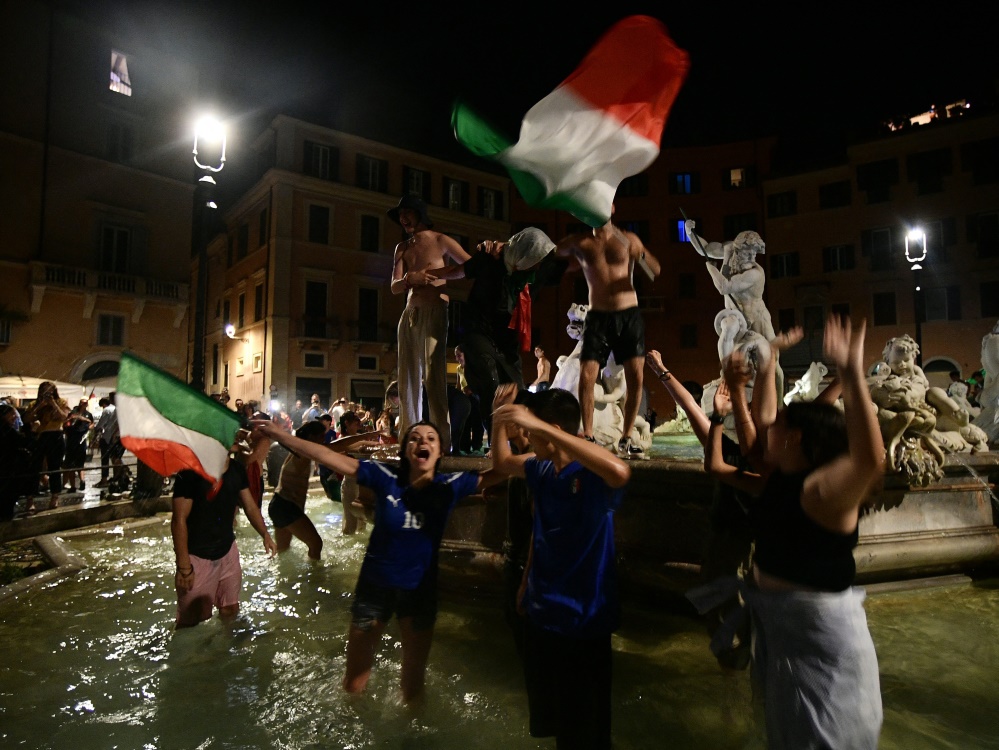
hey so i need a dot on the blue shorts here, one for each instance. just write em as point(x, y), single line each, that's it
point(283, 512)
point(374, 604)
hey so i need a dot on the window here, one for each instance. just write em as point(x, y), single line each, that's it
point(941, 235)
point(226, 313)
point(241, 308)
point(416, 182)
point(372, 174)
point(635, 186)
point(684, 183)
point(688, 336)
point(490, 203)
point(110, 330)
point(876, 178)
point(120, 82)
point(215, 364)
point(782, 204)
point(837, 258)
point(242, 241)
point(784, 265)
point(456, 194)
point(316, 294)
point(639, 227)
point(367, 314)
point(314, 360)
point(119, 143)
point(877, 245)
point(840, 308)
point(686, 286)
point(258, 302)
point(365, 362)
point(989, 299)
point(981, 158)
point(739, 177)
point(680, 234)
point(983, 229)
point(735, 223)
point(5, 328)
point(262, 229)
point(884, 309)
point(370, 230)
point(319, 224)
point(785, 319)
point(835, 194)
point(321, 161)
point(928, 168)
point(942, 303)
point(115, 244)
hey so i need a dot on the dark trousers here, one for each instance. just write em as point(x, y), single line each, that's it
point(105, 459)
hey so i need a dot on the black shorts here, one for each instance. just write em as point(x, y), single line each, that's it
point(283, 512)
point(374, 603)
point(569, 688)
point(620, 331)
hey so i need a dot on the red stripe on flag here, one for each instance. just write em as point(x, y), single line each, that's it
point(634, 73)
point(165, 457)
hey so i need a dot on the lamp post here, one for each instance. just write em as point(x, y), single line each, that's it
point(915, 254)
point(207, 133)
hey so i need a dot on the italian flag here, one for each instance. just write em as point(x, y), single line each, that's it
point(168, 425)
point(602, 124)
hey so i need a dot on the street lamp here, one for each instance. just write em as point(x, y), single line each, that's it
point(915, 254)
point(210, 136)
point(230, 331)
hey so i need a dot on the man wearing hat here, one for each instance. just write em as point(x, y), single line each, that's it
point(423, 325)
point(496, 323)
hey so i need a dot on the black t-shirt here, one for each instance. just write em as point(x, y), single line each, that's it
point(210, 524)
point(485, 310)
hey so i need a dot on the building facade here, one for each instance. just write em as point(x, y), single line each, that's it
point(97, 194)
point(836, 242)
point(303, 271)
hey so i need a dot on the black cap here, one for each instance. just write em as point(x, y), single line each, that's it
point(416, 204)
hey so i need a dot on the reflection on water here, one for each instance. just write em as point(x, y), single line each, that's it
point(93, 662)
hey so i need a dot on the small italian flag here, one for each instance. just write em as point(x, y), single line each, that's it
point(168, 425)
point(602, 124)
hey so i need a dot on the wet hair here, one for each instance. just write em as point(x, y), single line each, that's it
point(823, 430)
point(311, 429)
point(558, 407)
point(404, 460)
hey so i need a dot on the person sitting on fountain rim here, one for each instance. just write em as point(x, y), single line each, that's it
point(613, 323)
point(570, 585)
point(814, 660)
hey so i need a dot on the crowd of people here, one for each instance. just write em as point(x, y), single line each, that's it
point(796, 477)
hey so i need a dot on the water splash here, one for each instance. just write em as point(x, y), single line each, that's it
point(961, 459)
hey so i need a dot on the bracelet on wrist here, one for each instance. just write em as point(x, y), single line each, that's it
point(716, 419)
point(185, 572)
point(665, 375)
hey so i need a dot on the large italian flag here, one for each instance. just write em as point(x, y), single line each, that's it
point(168, 425)
point(602, 124)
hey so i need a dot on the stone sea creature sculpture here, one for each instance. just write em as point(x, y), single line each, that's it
point(807, 386)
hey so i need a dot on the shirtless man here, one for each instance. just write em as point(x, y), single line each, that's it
point(423, 325)
point(543, 380)
point(614, 322)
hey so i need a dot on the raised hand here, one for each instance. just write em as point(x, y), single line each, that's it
point(787, 339)
point(736, 371)
point(723, 400)
point(506, 393)
point(655, 361)
point(841, 344)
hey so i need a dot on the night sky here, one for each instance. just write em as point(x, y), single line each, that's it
point(391, 71)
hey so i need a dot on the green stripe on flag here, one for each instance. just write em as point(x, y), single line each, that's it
point(533, 192)
point(476, 134)
point(177, 401)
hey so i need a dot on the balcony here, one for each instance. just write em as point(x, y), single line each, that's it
point(91, 283)
point(318, 329)
point(372, 332)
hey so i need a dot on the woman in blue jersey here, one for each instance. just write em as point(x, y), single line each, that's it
point(399, 572)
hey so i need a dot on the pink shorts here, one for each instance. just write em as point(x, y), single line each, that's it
point(216, 584)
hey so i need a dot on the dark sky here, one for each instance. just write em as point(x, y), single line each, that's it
point(392, 71)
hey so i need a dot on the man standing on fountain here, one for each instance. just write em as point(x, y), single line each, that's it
point(614, 322)
point(422, 330)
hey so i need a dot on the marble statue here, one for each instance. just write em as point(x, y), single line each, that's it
point(919, 423)
point(741, 281)
point(610, 390)
point(807, 386)
point(988, 399)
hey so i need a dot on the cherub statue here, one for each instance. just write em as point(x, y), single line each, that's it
point(988, 399)
point(915, 416)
